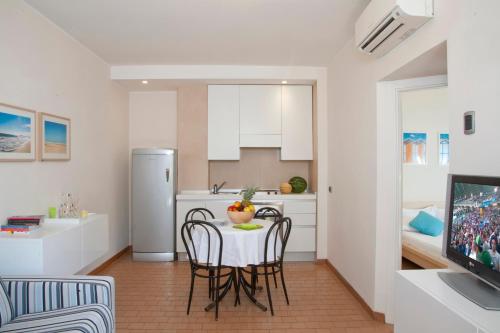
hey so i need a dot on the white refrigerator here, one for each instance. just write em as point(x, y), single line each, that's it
point(154, 175)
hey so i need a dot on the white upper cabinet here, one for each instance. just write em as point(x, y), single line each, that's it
point(223, 122)
point(297, 127)
point(260, 116)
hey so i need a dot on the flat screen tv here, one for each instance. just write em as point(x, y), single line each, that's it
point(473, 225)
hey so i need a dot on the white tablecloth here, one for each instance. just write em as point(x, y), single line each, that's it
point(240, 247)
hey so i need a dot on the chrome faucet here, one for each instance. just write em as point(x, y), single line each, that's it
point(217, 188)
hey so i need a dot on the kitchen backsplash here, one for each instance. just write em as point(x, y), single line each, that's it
point(257, 166)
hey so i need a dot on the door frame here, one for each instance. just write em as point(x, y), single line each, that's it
point(389, 185)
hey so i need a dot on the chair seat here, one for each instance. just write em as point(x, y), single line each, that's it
point(95, 318)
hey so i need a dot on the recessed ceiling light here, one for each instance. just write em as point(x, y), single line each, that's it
point(284, 82)
point(144, 81)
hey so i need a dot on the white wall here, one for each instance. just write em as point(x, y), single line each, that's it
point(474, 78)
point(153, 119)
point(253, 73)
point(44, 69)
point(425, 111)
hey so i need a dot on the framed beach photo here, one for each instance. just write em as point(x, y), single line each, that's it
point(55, 138)
point(444, 148)
point(17, 133)
point(415, 148)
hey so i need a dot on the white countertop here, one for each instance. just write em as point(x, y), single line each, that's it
point(206, 195)
point(50, 227)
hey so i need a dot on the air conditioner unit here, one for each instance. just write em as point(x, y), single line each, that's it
point(386, 23)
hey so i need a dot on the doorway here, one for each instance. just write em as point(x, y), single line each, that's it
point(427, 71)
point(424, 132)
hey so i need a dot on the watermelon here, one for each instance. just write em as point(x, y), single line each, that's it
point(299, 184)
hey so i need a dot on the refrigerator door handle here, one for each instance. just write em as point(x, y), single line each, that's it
point(167, 174)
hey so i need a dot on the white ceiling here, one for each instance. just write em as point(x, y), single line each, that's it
point(164, 84)
point(208, 32)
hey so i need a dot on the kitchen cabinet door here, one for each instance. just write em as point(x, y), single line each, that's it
point(223, 122)
point(297, 126)
point(260, 115)
point(302, 239)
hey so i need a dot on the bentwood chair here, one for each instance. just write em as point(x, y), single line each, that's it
point(271, 214)
point(274, 250)
point(205, 262)
point(202, 214)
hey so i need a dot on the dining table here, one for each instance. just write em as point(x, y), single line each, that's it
point(241, 248)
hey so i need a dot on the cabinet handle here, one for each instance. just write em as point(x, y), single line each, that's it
point(167, 174)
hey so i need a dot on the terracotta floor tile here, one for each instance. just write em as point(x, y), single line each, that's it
point(152, 297)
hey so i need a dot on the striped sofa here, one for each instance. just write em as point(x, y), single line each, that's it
point(54, 304)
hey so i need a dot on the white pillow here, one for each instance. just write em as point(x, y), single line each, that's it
point(405, 225)
point(407, 228)
point(412, 213)
point(440, 213)
point(409, 214)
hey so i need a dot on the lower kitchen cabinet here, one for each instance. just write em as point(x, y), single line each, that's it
point(302, 239)
point(302, 242)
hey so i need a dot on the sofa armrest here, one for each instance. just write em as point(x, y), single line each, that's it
point(32, 294)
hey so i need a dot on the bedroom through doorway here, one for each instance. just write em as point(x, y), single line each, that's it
point(425, 148)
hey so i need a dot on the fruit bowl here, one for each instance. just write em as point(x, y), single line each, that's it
point(243, 211)
point(240, 217)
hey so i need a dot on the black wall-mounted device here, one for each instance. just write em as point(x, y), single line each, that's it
point(469, 122)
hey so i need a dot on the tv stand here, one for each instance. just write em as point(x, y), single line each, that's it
point(473, 288)
point(425, 303)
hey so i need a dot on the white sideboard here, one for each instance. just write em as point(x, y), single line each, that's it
point(301, 208)
point(59, 247)
point(424, 303)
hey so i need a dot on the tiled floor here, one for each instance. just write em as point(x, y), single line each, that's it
point(152, 297)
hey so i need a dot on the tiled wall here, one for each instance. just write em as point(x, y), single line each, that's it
point(257, 167)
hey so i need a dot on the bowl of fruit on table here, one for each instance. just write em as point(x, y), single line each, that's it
point(242, 211)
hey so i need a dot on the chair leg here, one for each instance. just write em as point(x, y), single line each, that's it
point(213, 285)
point(283, 284)
point(253, 280)
point(217, 295)
point(274, 276)
point(236, 287)
point(210, 284)
point(191, 292)
point(268, 291)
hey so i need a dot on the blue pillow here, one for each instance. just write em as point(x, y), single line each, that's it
point(427, 224)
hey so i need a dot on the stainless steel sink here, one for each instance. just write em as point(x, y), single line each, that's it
point(228, 191)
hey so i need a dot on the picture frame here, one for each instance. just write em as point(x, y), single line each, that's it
point(444, 149)
point(18, 134)
point(55, 137)
point(414, 148)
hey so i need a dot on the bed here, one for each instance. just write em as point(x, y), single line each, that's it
point(423, 250)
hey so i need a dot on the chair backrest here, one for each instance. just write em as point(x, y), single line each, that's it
point(203, 243)
point(268, 213)
point(6, 309)
point(199, 214)
point(277, 235)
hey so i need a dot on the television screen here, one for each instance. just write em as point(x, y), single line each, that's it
point(474, 224)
